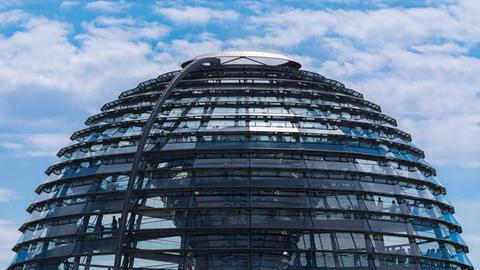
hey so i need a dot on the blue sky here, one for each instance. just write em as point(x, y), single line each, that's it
point(61, 60)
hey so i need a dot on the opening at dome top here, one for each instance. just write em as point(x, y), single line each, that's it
point(250, 57)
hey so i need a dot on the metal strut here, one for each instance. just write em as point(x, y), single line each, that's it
point(141, 147)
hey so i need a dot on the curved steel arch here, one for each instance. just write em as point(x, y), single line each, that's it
point(141, 147)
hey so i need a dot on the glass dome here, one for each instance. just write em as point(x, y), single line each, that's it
point(251, 163)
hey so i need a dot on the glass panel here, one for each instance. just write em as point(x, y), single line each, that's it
point(161, 220)
point(218, 240)
point(218, 218)
point(171, 242)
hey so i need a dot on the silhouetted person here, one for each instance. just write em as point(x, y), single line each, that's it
point(308, 257)
point(114, 224)
point(296, 261)
point(380, 204)
point(102, 229)
point(356, 259)
point(393, 207)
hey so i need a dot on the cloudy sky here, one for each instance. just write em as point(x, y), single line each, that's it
point(61, 60)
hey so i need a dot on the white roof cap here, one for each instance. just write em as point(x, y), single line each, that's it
point(265, 58)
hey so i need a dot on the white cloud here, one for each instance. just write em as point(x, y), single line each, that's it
point(6, 195)
point(10, 145)
point(44, 144)
point(284, 29)
point(69, 4)
point(447, 48)
point(287, 27)
point(109, 6)
point(113, 21)
point(34, 145)
point(40, 42)
point(34, 124)
point(9, 234)
point(196, 15)
point(124, 29)
point(10, 3)
point(179, 50)
point(12, 17)
point(107, 46)
point(447, 140)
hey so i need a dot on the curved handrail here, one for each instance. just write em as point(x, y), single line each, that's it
point(141, 147)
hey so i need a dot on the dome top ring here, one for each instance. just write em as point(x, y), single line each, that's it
point(265, 58)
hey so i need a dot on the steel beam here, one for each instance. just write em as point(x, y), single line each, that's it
point(141, 148)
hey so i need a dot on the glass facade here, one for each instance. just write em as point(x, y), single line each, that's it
point(250, 165)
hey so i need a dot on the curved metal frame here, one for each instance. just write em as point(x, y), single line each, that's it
point(141, 147)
